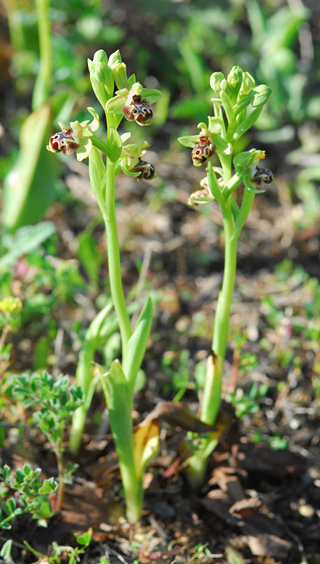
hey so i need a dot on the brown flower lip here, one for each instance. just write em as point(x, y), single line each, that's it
point(63, 141)
point(138, 110)
point(147, 170)
point(202, 151)
point(262, 175)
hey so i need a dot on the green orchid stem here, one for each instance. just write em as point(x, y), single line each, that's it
point(114, 260)
point(197, 466)
point(42, 86)
point(212, 390)
point(211, 401)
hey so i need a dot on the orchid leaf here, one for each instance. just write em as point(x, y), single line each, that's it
point(137, 345)
point(29, 187)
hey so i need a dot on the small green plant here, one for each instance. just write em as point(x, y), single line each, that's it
point(132, 101)
point(276, 442)
point(30, 494)
point(65, 554)
point(55, 400)
point(201, 553)
point(248, 402)
point(237, 104)
point(178, 371)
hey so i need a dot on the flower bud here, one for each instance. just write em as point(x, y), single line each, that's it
point(101, 77)
point(234, 76)
point(215, 81)
point(120, 75)
point(248, 83)
point(259, 95)
point(100, 56)
point(115, 58)
point(202, 151)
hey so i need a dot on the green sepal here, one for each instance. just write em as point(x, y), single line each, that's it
point(252, 187)
point(115, 105)
point(200, 200)
point(132, 80)
point(28, 189)
point(115, 58)
point(114, 144)
point(128, 173)
point(189, 140)
point(137, 345)
point(216, 124)
point(151, 94)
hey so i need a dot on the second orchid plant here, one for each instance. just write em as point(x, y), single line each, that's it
point(237, 104)
point(132, 101)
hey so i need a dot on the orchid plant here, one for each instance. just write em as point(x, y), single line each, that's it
point(132, 102)
point(237, 104)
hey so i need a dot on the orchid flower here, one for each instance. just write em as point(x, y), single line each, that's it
point(75, 137)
